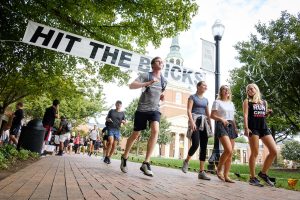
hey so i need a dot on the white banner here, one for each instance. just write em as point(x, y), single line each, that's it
point(65, 42)
point(208, 55)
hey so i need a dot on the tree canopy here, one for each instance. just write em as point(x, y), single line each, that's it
point(290, 151)
point(271, 59)
point(28, 71)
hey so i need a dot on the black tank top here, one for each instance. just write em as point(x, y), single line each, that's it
point(257, 116)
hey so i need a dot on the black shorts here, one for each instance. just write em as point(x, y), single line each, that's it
point(261, 133)
point(14, 130)
point(93, 141)
point(105, 137)
point(229, 131)
point(141, 119)
point(66, 142)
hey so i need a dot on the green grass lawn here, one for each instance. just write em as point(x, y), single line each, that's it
point(281, 175)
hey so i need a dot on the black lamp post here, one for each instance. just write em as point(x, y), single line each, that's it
point(217, 30)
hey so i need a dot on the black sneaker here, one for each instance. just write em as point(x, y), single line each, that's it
point(266, 178)
point(123, 165)
point(60, 153)
point(105, 159)
point(108, 160)
point(254, 181)
point(146, 169)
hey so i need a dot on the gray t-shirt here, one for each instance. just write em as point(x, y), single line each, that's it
point(199, 104)
point(150, 97)
point(116, 118)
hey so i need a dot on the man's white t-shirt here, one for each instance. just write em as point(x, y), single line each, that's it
point(93, 134)
point(225, 109)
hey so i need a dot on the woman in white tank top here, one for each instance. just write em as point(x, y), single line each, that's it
point(223, 113)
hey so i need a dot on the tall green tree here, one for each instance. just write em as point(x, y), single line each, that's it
point(32, 71)
point(164, 135)
point(271, 59)
point(290, 151)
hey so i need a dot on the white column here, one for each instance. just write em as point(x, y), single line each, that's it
point(156, 150)
point(167, 150)
point(176, 153)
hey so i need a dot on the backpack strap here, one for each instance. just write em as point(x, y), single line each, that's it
point(163, 84)
point(162, 81)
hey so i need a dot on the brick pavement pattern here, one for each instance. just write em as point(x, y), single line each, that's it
point(82, 177)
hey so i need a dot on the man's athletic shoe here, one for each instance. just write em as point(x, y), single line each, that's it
point(254, 181)
point(266, 178)
point(123, 165)
point(146, 169)
point(108, 160)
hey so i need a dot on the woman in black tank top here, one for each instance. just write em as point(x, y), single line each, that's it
point(255, 126)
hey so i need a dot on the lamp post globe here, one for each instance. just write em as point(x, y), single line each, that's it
point(217, 31)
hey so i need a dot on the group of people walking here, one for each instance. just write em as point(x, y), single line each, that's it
point(222, 112)
point(153, 84)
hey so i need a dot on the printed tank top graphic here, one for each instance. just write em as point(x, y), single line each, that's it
point(257, 115)
point(259, 110)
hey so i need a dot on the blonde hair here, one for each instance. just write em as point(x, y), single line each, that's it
point(255, 98)
point(220, 92)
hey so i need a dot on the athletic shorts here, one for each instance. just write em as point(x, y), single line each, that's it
point(105, 137)
point(261, 133)
point(93, 142)
point(142, 118)
point(15, 130)
point(63, 137)
point(113, 132)
point(229, 131)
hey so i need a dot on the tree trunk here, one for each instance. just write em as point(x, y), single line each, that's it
point(1, 120)
point(160, 146)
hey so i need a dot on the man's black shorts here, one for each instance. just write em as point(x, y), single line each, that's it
point(141, 119)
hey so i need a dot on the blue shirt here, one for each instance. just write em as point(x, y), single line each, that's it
point(199, 104)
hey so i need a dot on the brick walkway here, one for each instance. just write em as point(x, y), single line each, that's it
point(83, 177)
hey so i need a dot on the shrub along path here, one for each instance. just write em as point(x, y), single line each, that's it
point(83, 177)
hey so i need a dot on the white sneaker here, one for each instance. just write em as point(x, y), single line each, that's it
point(146, 169)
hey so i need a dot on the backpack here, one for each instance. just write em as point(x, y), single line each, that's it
point(162, 81)
point(68, 127)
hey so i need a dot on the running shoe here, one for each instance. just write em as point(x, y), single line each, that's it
point(123, 165)
point(146, 169)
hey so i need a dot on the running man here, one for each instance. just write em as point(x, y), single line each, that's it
point(153, 84)
point(115, 118)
